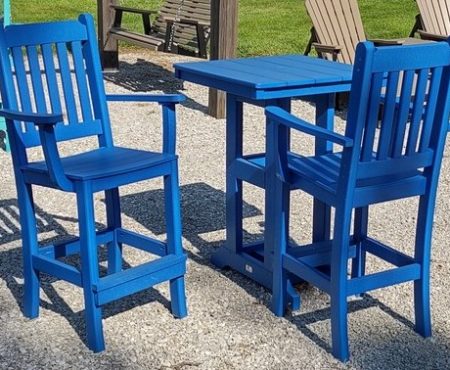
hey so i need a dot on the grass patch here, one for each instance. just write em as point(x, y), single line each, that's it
point(265, 26)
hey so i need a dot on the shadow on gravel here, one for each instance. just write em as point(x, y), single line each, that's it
point(11, 267)
point(302, 321)
point(397, 351)
point(147, 77)
point(203, 211)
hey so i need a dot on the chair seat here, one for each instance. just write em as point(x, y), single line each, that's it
point(318, 175)
point(322, 170)
point(103, 162)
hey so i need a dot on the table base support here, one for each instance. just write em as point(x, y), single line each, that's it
point(251, 264)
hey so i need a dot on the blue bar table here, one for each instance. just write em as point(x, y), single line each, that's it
point(262, 81)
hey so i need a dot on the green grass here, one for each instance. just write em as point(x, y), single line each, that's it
point(265, 26)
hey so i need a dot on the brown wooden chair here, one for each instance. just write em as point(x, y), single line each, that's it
point(337, 29)
point(181, 26)
point(433, 21)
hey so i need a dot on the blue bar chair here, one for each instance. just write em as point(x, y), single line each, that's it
point(400, 160)
point(35, 118)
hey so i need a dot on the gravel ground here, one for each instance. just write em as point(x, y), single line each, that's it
point(230, 325)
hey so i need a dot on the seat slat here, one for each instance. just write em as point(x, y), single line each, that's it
point(103, 162)
point(140, 39)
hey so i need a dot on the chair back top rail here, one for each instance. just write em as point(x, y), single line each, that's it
point(435, 16)
point(55, 68)
point(337, 22)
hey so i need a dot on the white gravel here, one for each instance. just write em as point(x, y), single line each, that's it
point(230, 325)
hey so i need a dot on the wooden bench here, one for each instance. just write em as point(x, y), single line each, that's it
point(181, 26)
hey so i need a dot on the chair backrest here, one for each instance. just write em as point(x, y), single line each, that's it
point(435, 15)
point(337, 22)
point(410, 85)
point(195, 10)
point(35, 80)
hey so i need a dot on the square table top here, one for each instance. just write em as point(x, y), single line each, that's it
point(269, 77)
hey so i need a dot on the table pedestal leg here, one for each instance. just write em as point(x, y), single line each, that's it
point(324, 118)
point(254, 260)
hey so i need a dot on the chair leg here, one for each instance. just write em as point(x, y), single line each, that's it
point(114, 222)
point(279, 239)
point(89, 266)
point(174, 245)
point(422, 255)
point(30, 248)
point(360, 233)
point(339, 260)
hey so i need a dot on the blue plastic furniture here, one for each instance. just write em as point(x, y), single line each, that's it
point(104, 169)
point(400, 160)
point(263, 81)
point(4, 142)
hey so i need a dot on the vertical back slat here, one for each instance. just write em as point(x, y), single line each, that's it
point(50, 74)
point(384, 143)
point(337, 22)
point(326, 16)
point(36, 79)
point(435, 16)
point(433, 93)
point(66, 78)
point(354, 23)
point(22, 84)
point(80, 73)
point(403, 109)
point(372, 114)
point(446, 15)
point(417, 113)
point(344, 31)
point(96, 84)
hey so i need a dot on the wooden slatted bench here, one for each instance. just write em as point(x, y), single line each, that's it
point(181, 26)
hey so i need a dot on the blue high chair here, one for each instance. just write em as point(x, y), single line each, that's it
point(401, 160)
point(76, 109)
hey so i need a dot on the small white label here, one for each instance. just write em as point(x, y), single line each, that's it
point(249, 269)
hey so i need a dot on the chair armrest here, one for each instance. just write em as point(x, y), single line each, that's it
point(36, 118)
point(46, 124)
point(280, 116)
point(161, 99)
point(431, 36)
point(324, 48)
point(133, 10)
point(192, 22)
point(387, 42)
